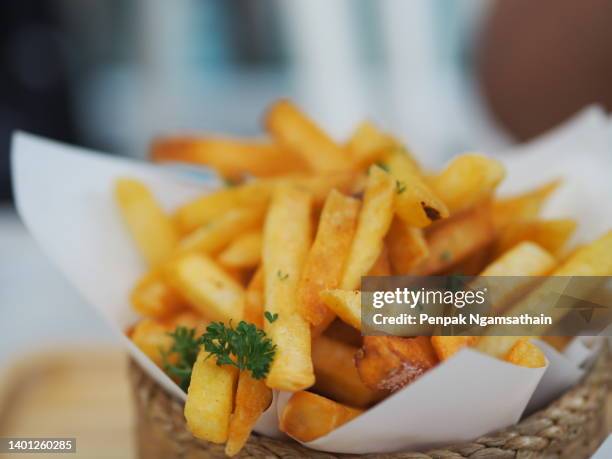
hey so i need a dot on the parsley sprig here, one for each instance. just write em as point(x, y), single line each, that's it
point(178, 361)
point(245, 347)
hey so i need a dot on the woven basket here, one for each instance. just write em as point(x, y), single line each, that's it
point(572, 427)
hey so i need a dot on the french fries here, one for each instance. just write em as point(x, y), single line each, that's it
point(308, 416)
point(230, 157)
point(325, 261)
point(468, 180)
point(297, 133)
point(210, 399)
point(153, 297)
point(151, 337)
point(368, 144)
point(244, 252)
point(336, 374)
point(552, 235)
point(374, 221)
point(407, 247)
point(151, 229)
point(447, 346)
point(346, 304)
point(525, 259)
point(206, 286)
point(526, 354)
point(285, 247)
point(415, 202)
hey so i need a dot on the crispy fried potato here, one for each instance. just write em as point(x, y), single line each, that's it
point(382, 265)
point(374, 221)
point(522, 207)
point(254, 302)
point(346, 304)
point(292, 129)
point(308, 416)
point(468, 180)
point(552, 235)
point(243, 252)
point(497, 346)
point(389, 363)
point(415, 202)
point(453, 240)
point(206, 287)
point(325, 261)
point(153, 297)
point(526, 354)
point(151, 337)
point(219, 232)
point(336, 374)
point(407, 246)
point(150, 228)
point(368, 144)
point(447, 346)
point(232, 158)
point(210, 399)
point(285, 247)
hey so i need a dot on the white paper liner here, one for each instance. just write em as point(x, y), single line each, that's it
point(64, 196)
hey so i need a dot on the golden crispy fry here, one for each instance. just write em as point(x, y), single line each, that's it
point(415, 202)
point(468, 180)
point(230, 157)
point(153, 297)
point(525, 206)
point(526, 354)
point(473, 264)
point(308, 416)
point(374, 221)
point(151, 229)
point(382, 265)
point(325, 261)
point(336, 374)
point(285, 247)
point(151, 337)
point(389, 362)
point(206, 287)
point(552, 235)
point(254, 303)
point(453, 240)
point(244, 251)
point(497, 346)
point(210, 399)
point(346, 304)
point(296, 132)
point(447, 346)
point(524, 259)
point(407, 246)
point(219, 232)
point(368, 144)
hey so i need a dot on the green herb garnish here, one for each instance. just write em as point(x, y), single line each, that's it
point(383, 166)
point(185, 347)
point(400, 187)
point(271, 317)
point(245, 347)
point(281, 275)
point(446, 256)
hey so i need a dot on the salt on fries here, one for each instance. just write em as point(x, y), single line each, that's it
point(255, 286)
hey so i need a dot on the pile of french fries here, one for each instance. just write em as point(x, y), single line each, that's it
point(305, 217)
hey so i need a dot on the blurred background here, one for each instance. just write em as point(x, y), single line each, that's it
point(443, 75)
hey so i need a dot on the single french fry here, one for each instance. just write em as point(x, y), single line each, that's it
point(522, 207)
point(389, 362)
point(243, 252)
point(206, 287)
point(368, 144)
point(336, 374)
point(468, 180)
point(150, 228)
point(382, 265)
point(285, 247)
point(497, 346)
point(456, 238)
point(415, 202)
point(208, 207)
point(232, 158)
point(252, 395)
point(325, 261)
point(407, 246)
point(293, 130)
point(151, 337)
point(447, 346)
point(219, 232)
point(525, 259)
point(153, 297)
point(210, 398)
point(551, 235)
point(346, 304)
point(526, 354)
point(308, 416)
point(374, 221)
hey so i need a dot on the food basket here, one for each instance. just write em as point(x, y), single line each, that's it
point(573, 427)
